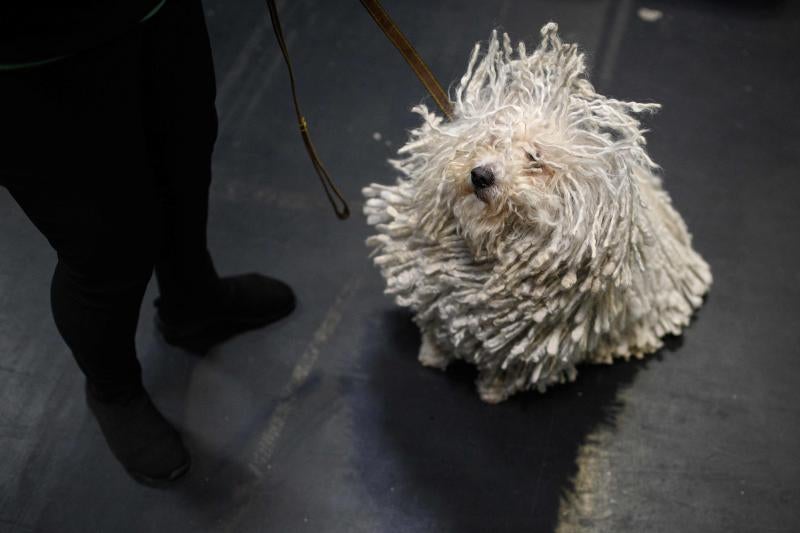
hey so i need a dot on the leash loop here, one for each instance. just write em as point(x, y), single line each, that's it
point(409, 53)
point(335, 197)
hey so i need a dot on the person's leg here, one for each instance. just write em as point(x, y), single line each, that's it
point(196, 308)
point(181, 128)
point(74, 158)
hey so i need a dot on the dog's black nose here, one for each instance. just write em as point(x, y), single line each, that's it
point(482, 177)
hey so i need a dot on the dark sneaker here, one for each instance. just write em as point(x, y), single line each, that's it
point(149, 448)
point(242, 303)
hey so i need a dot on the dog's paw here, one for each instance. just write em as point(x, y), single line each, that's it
point(492, 391)
point(431, 356)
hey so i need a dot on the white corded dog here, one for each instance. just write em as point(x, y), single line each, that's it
point(531, 233)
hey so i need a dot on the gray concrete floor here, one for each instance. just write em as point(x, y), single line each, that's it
point(325, 422)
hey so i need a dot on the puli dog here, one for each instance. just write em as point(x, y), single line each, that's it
point(532, 233)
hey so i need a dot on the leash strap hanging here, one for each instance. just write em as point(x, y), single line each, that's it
point(385, 22)
point(409, 53)
point(331, 191)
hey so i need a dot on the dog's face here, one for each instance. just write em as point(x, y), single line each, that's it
point(532, 151)
point(505, 183)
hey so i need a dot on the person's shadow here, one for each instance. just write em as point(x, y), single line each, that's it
point(448, 462)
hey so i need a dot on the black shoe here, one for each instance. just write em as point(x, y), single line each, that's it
point(239, 304)
point(149, 448)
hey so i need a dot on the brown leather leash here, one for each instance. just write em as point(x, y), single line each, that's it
point(331, 191)
point(403, 45)
point(411, 56)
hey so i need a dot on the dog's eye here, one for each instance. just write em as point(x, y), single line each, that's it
point(534, 158)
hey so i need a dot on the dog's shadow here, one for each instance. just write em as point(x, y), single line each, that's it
point(449, 462)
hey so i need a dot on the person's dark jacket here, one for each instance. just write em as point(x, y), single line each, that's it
point(32, 31)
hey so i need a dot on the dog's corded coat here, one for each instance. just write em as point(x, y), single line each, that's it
point(574, 253)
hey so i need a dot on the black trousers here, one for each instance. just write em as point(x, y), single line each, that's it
point(108, 152)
